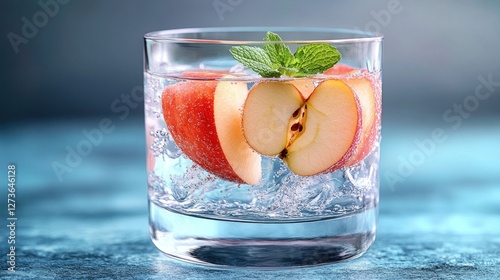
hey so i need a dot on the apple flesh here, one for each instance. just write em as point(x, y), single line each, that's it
point(313, 136)
point(204, 119)
point(266, 115)
point(304, 85)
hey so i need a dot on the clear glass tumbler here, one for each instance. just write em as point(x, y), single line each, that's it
point(262, 172)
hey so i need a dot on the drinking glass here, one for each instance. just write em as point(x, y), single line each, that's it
point(247, 171)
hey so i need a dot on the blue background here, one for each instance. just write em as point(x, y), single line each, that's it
point(440, 173)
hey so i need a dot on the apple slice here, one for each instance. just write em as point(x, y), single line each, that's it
point(305, 86)
point(370, 102)
point(315, 136)
point(340, 69)
point(204, 119)
point(204, 74)
point(150, 158)
point(331, 130)
point(266, 115)
point(370, 109)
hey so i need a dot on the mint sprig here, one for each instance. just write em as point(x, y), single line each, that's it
point(276, 59)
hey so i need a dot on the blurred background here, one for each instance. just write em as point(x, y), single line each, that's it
point(64, 63)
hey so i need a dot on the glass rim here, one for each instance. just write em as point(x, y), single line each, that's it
point(169, 35)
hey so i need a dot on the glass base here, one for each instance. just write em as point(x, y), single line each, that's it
point(262, 245)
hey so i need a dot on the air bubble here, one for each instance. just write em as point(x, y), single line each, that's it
point(164, 144)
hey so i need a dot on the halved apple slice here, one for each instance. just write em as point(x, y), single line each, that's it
point(315, 136)
point(331, 130)
point(204, 118)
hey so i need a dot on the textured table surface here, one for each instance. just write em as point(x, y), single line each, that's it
point(442, 221)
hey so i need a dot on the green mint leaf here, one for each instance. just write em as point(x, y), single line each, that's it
point(315, 58)
point(256, 59)
point(276, 59)
point(279, 53)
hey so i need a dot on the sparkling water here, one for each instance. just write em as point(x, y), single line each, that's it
point(285, 219)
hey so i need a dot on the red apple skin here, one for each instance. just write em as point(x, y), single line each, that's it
point(188, 109)
point(370, 131)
